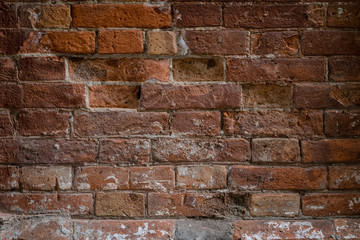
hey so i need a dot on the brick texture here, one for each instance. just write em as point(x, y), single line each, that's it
point(179, 119)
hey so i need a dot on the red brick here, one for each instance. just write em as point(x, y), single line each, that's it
point(130, 229)
point(285, 43)
point(276, 70)
point(41, 68)
point(267, 96)
point(275, 150)
point(120, 41)
point(279, 178)
point(121, 15)
point(331, 204)
point(8, 18)
point(189, 204)
point(7, 70)
point(198, 69)
point(120, 204)
point(25, 203)
point(274, 204)
point(57, 151)
point(101, 178)
point(273, 123)
point(125, 151)
point(196, 123)
point(197, 15)
point(201, 177)
point(114, 96)
point(331, 150)
point(273, 16)
point(11, 95)
point(285, 229)
point(327, 96)
point(46, 178)
point(12, 40)
point(9, 178)
point(341, 15)
point(216, 42)
point(339, 123)
point(6, 127)
point(9, 151)
point(161, 43)
point(344, 69)
point(201, 150)
point(339, 42)
point(116, 122)
point(125, 69)
point(341, 177)
point(53, 123)
point(204, 96)
point(44, 16)
point(347, 228)
point(160, 178)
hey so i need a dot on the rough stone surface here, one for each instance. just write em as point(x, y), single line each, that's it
point(202, 230)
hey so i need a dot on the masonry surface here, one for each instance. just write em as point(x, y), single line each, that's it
point(183, 119)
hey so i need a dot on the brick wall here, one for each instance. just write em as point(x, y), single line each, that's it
point(186, 119)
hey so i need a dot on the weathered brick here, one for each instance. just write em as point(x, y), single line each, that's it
point(120, 204)
point(285, 229)
point(114, 96)
point(276, 70)
point(101, 178)
point(160, 178)
point(8, 17)
point(274, 204)
point(204, 96)
point(201, 150)
point(275, 150)
point(125, 69)
point(216, 42)
point(339, 42)
point(7, 70)
point(121, 15)
point(344, 69)
point(125, 151)
point(53, 123)
point(41, 68)
point(331, 150)
point(46, 178)
point(6, 127)
point(273, 123)
point(203, 229)
point(284, 43)
point(327, 96)
point(54, 95)
point(9, 177)
point(331, 204)
point(201, 177)
point(196, 123)
point(198, 69)
point(281, 178)
point(267, 96)
point(339, 123)
point(120, 41)
point(129, 229)
point(341, 177)
point(57, 151)
point(12, 40)
point(272, 16)
point(347, 228)
point(116, 123)
point(197, 15)
point(26, 203)
point(44, 16)
point(161, 43)
point(341, 15)
point(11, 95)
point(9, 151)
